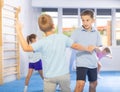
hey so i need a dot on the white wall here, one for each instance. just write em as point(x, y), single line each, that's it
point(77, 3)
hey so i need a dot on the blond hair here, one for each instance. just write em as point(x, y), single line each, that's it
point(45, 23)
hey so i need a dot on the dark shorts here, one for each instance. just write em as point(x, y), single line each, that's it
point(82, 72)
point(36, 65)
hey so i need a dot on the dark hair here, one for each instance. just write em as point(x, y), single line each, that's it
point(88, 12)
point(45, 22)
point(107, 50)
point(30, 37)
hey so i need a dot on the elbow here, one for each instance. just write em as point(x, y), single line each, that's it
point(75, 46)
point(27, 49)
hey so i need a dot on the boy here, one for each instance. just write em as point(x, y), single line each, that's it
point(52, 48)
point(86, 63)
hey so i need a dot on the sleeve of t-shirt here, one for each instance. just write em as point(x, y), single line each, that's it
point(37, 46)
point(68, 41)
point(74, 36)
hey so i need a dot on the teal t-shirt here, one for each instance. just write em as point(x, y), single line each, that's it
point(53, 51)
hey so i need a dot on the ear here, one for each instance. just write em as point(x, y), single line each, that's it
point(94, 20)
point(53, 26)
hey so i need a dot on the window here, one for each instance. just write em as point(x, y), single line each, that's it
point(117, 32)
point(82, 9)
point(103, 24)
point(69, 20)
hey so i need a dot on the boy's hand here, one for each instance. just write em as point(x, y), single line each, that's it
point(91, 48)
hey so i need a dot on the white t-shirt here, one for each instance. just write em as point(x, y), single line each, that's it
point(34, 56)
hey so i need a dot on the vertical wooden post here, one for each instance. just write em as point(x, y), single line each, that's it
point(1, 51)
point(109, 33)
point(17, 46)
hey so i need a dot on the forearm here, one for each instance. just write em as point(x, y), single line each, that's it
point(22, 41)
point(79, 47)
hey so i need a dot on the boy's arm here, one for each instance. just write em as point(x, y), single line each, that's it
point(82, 48)
point(25, 46)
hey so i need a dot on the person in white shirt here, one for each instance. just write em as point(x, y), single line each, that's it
point(35, 62)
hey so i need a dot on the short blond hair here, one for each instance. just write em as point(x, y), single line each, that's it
point(45, 22)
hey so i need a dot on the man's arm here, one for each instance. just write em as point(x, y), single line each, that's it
point(25, 46)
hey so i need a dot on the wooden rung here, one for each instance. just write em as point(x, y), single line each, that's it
point(7, 9)
point(10, 69)
point(10, 13)
point(9, 17)
point(12, 57)
point(11, 65)
point(8, 25)
point(9, 33)
point(10, 73)
point(10, 6)
point(10, 42)
point(10, 50)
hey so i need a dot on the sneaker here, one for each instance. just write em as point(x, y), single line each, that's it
point(99, 77)
point(58, 87)
point(25, 89)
